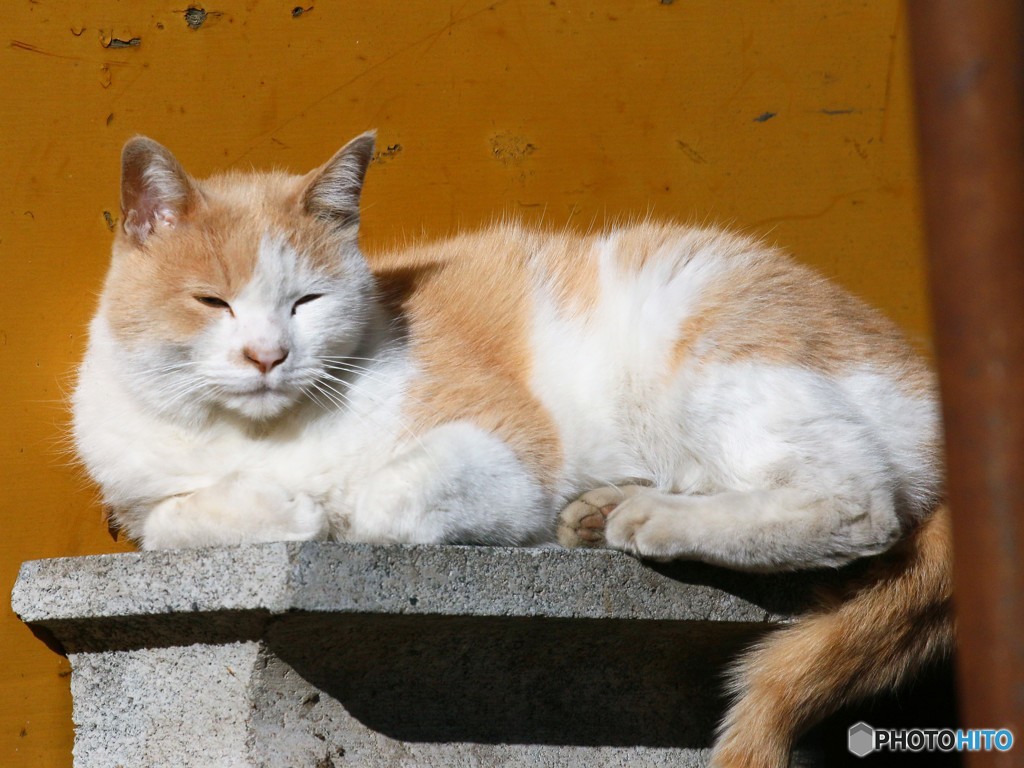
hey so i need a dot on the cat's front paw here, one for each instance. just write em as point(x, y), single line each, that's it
point(304, 520)
point(583, 522)
point(237, 510)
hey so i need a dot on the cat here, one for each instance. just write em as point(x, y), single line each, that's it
point(673, 392)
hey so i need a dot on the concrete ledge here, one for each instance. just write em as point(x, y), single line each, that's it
point(328, 654)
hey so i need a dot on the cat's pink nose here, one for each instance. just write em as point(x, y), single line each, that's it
point(266, 359)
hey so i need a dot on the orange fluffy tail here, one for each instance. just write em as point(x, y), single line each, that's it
point(894, 620)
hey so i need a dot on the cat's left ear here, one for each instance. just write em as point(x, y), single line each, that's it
point(333, 193)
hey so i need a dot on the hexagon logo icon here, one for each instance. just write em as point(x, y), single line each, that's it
point(860, 739)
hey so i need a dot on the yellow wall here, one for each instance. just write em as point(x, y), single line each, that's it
point(563, 109)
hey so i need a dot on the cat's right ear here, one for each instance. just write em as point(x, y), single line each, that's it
point(155, 190)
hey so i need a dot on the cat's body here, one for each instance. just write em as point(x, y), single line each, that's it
point(249, 378)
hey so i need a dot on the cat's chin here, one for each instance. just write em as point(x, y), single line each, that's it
point(259, 406)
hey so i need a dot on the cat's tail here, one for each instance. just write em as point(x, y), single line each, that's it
point(896, 619)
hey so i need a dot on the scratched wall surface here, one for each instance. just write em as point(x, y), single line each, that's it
point(788, 119)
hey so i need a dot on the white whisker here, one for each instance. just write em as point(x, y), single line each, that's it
point(314, 395)
point(373, 376)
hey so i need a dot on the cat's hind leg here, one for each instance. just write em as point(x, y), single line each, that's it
point(779, 529)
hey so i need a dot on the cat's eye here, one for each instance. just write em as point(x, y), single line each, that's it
point(305, 300)
point(213, 301)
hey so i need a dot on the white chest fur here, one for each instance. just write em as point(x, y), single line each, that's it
point(322, 449)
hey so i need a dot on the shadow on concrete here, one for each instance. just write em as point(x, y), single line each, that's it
point(518, 680)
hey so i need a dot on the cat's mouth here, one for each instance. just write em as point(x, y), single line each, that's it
point(255, 390)
point(261, 400)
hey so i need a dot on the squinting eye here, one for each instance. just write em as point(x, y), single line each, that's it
point(213, 301)
point(305, 300)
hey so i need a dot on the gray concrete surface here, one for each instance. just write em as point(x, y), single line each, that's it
point(328, 655)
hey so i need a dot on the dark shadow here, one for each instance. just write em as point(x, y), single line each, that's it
point(569, 682)
point(48, 639)
point(518, 680)
point(783, 594)
point(97, 634)
point(927, 702)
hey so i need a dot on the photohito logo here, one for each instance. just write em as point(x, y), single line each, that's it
point(862, 740)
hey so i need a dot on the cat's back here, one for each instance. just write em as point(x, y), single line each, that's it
point(597, 343)
point(663, 294)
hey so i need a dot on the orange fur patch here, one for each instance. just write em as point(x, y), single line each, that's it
point(467, 301)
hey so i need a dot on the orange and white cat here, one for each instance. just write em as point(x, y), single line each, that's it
point(669, 391)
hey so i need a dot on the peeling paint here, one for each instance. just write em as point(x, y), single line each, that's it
point(298, 10)
point(110, 220)
point(117, 42)
point(511, 149)
point(832, 112)
point(764, 117)
point(385, 155)
point(195, 17)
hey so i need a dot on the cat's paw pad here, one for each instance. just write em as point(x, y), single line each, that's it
point(583, 522)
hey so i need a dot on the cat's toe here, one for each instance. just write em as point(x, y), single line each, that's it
point(644, 527)
point(307, 520)
point(627, 527)
point(582, 523)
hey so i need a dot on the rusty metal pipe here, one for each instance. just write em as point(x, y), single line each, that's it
point(969, 71)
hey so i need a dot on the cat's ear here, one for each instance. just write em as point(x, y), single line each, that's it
point(333, 193)
point(155, 190)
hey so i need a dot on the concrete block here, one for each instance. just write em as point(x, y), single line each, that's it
point(328, 654)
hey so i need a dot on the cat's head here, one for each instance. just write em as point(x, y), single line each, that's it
point(238, 291)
